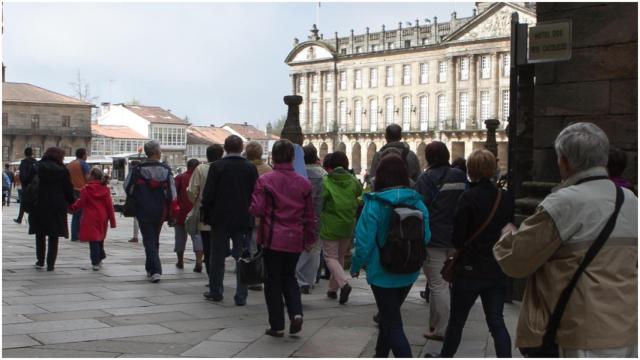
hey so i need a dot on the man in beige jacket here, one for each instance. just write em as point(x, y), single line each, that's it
point(601, 317)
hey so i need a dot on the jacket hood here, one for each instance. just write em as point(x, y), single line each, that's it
point(154, 170)
point(341, 177)
point(50, 171)
point(400, 145)
point(96, 190)
point(395, 196)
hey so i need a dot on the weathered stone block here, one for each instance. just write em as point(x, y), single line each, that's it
point(599, 63)
point(545, 166)
point(624, 97)
point(545, 131)
point(586, 98)
point(545, 73)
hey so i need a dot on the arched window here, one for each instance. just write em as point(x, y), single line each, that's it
point(442, 110)
point(388, 112)
point(406, 113)
point(343, 115)
point(424, 113)
point(357, 116)
point(373, 115)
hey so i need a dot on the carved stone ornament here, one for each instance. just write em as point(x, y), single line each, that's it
point(497, 25)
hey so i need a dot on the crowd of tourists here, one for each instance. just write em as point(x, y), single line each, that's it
point(450, 221)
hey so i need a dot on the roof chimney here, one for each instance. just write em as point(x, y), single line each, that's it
point(245, 124)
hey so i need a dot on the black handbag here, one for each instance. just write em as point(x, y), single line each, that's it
point(129, 207)
point(549, 347)
point(251, 268)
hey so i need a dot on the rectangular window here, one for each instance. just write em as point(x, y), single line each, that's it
point(357, 74)
point(506, 64)
point(343, 51)
point(343, 80)
point(374, 47)
point(315, 116)
point(358, 49)
point(328, 115)
point(343, 115)
point(388, 112)
point(357, 116)
point(5, 119)
point(5, 154)
point(505, 105)
point(442, 71)
point(424, 73)
point(35, 122)
point(328, 83)
point(424, 113)
point(406, 74)
point(373, 115)
point(407, 43)
point(66, 121)
point(464, 109)
point(425, 41)
point(485, 67)
point(373, 77)
point(390, 45)
point(314, 83)
point(442, 110)
point(464, 69)
point(484, 105)
point(389, 74)
point(406, 113)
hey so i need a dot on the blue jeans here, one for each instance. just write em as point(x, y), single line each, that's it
point(464, 293)
point(391, 335)
point(75, 225)
point(220, 236)
point(96, 252)
point(151, 241)
point(280, 284)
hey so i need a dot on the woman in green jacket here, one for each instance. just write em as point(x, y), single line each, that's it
point(337, 221)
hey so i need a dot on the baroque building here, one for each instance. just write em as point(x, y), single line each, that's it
point(439, 81)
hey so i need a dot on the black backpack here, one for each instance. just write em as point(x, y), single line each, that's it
point(404, 251)
point(31, 194)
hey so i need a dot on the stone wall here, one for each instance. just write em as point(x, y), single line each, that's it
point(598, 84)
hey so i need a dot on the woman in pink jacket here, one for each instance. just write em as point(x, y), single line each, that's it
point(282, 200)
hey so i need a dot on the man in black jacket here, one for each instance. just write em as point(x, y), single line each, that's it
point(393, 136)
point(27, 172)
point(225, 202)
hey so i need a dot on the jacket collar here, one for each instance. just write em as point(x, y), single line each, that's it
point(284, 166)
point(233, 155)
point(573, 179)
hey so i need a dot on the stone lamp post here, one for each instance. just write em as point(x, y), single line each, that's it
point(292, 130)
point(491, 144)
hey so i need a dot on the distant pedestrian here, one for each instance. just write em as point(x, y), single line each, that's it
point(389, 289)
point(79, 171)
point(136, 226)
point(601, 315)
point(338, 218)
point(616, 165)
point(153, 188)
point(307, 267)
point(225, 200)
point(182, 182)
point(195, 190)
point(440, 186)
point(97, 212)
point(282, 200)
point(476, 228)
point(48, 217)
point(10, 176)
point(393, 136)
point(27, 171)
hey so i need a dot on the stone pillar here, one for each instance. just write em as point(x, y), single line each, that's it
point(491, 144)
point(321, 124)
point(496, 85)
point(473, 92)
point(293, 83)
point(451, 92)
point(292, 130)
point(306, 104)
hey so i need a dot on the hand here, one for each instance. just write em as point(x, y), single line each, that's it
point(355, 275)
point(509, 228)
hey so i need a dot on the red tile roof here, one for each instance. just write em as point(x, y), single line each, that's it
point(248, 131)
point(206, 135)
point(22, 92)
point(115, 131)
point(155, 114)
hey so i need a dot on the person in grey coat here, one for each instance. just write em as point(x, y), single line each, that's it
point(393, 135)
point(308, 263)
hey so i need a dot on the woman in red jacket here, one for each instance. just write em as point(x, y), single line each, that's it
point(97, 209)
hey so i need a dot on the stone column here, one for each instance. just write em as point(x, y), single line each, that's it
point(473, 92)
point(306, 104)
point(451, 92)
point(321, 124)
point(292, 130)
point(495, 57)
point(293, 83)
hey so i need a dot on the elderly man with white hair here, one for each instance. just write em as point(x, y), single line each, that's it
point(601, 314)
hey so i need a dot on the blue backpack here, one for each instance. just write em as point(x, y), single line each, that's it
point(6, 182)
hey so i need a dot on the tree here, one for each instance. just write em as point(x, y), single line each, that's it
point(277, 125)
point(82, 90)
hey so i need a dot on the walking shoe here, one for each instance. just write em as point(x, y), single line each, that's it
point(274, 333)
point(17, 222)
point(207, 295)
point(296, 325)
point(133, 239)
point(180, 265)
point(197, 268)
point(255, 287)
point(332, 295)
point(344, 293)
point(432, 355)
point(305, 289)
point(155, 278)
point(39, 266)
point(431, 336)
point(50, 268)
point(425, 295)
point(96, 267)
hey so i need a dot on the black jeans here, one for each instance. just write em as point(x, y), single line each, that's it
point(96, 252)
point(52, 251)
point(464, 293)
point(280, 282)
point(391, 335)
point(220, 237)
point(206, 249)
point(151, 241)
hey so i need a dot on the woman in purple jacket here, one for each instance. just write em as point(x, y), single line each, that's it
point(282, 200)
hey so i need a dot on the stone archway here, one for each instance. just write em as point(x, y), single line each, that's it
point(371, 152)
point(356, 162)
point(324, 149)
point(421, 156)
point(342, 147)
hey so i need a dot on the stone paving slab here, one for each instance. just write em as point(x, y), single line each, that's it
point(49, 326)
point(218, 349)
point(53, 353)
point(100, 334)
point(128, 347)
point(67, 315)
point(337, 342)
point(148, 318)
point(17, 341)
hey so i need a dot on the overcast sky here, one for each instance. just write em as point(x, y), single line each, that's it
point(213, 62)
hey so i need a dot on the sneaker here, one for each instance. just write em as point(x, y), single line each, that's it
point(432, 336)
point(332, 295)
point(50, 268)
point(155, 278)
point(180, 265)
point(133, 239)
point(305, 289)
point(274, 333)
point(197, 268)
point(39, 266)
point(344, 293)
point(296, 325)
point(96, 267)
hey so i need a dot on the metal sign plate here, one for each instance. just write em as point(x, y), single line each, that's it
point(550, 41)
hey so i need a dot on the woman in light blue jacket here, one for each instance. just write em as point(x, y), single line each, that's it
point(389, 289)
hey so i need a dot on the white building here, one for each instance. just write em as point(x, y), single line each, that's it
point(251, 133)
point(200, 137)
point(115, 139)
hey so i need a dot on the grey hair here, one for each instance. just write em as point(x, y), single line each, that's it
point(151, 148)
point(584, 145)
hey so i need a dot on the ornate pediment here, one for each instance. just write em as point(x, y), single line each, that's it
point(310, 51)
point(496, 23)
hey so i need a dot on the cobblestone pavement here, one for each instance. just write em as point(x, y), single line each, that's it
point(76, 312)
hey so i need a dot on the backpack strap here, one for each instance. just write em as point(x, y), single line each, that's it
point(556, 316)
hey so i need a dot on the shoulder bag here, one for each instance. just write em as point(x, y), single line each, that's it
point(549, 347)
point(449, 267)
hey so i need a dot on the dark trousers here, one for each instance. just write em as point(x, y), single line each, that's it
point(280, 282)
point(52, 251)
point(21, 211)
point(206, 249)
point(220, 236)
point(96, 252)
point(75, 225)
point(391, 336)
point(464, 293)
point(151, 241)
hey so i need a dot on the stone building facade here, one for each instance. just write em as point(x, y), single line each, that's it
point(40, 118)
point(439, 81)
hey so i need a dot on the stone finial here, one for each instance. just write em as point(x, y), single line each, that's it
point(292, 130)
point(474, 12)
point(491, 144)
point(269, 128)
point(314, 33)
point(295, 41)
point(435, 19)
point(399, 24)
point(335, 34)
point(351, 32)
point(367, 29)
point(454, 15)
point(382, 27)
point(417, 22)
